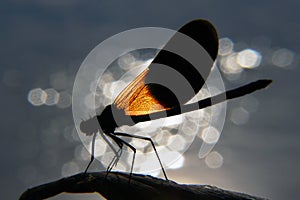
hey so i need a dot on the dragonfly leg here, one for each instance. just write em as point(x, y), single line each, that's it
point(120, 143)
point(92, 154)
point(115, 160)
point(148, 139)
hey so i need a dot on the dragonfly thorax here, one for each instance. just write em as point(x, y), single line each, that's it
point(106, 120)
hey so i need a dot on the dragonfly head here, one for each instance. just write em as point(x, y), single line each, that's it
point(90, 126)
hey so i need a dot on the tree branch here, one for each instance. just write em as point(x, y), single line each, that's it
point(116, 186)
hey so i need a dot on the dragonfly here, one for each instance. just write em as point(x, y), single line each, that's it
point(158, 91)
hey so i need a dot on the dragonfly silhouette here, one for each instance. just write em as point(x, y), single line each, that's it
point(156, 93)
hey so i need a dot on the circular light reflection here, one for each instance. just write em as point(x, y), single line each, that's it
point(106, 78)
point(111, 90)
point(37, 97)
point(189, 127)
point(225, 46)
point(249, 58)
point(140, 144)
point(162, 138)
point(239, 116)
point(177, 142)
point(65, 100)
point(89, 101)
point(282, 57)
point(214, 160)
point(126, 61)
point(210, 135)
point(229, 64)
point(52, 97)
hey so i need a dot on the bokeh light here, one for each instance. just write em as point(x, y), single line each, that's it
point(177, 142)
point(162, 138)
point(49, 97)
point(52, 97)
point(37, 97)
point(210, 135)
point(249, 58)
point(229, 64)
point(214, 160)
point(283, 57)
point(128, 60)
point(140, 144)
point(65, 100)
point(225, 46)
point(239, 116)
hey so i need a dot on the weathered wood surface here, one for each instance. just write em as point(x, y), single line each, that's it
point(116, 186)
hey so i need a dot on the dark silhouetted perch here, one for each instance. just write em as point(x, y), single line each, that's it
point(116, 186)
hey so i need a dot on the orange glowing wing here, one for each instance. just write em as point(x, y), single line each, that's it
point(137, 98)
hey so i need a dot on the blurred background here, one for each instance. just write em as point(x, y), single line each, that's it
point(44, 42)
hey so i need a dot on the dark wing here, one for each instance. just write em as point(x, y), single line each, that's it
point(176, 74)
